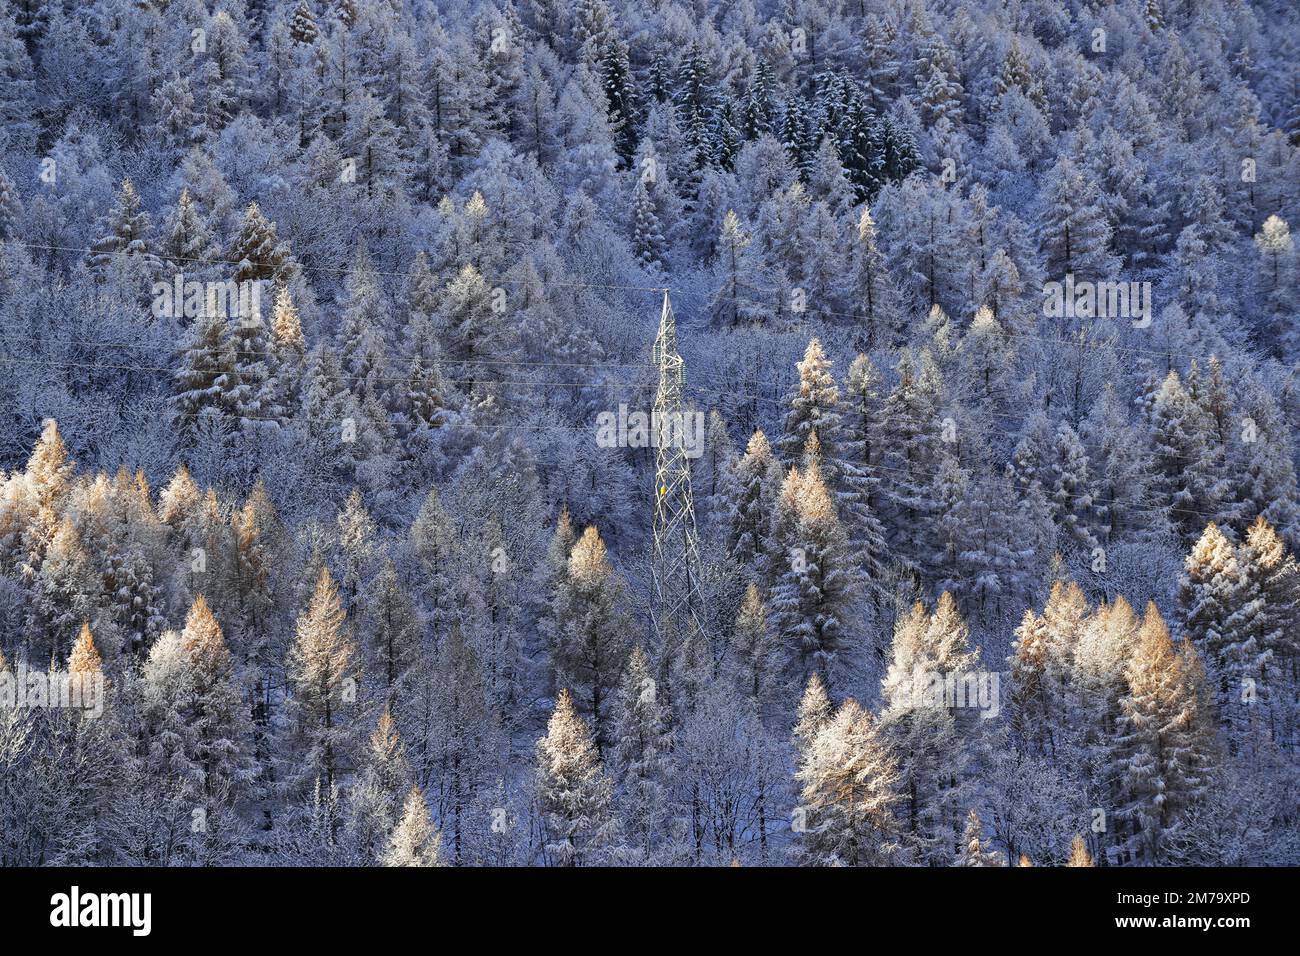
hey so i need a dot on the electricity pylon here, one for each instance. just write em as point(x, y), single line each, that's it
point(677, 606)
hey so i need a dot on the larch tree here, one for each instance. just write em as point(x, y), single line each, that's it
point(392, 627)
point(860, 496)
point(1263, 470)
point(323, 671)
point(592, 631)
point(862, 416)
point(740, 293)
point(950, 492)
point(1224, 615)
point(374, 140)
point(1073, 232)
point(356, 531)
point(1028, 693)
point(1120, 465)
point(460, 734)
point(1162, 748)
point(375, 799)
point(475, 330)
point(910, 455)
point(547, 579)
point(65, 593)
point(926, 729)
point(1079, 855)
point(641, 754)
point(814, 411)
point(363, 339)
point(216, 712)
point(435, 547)
point(876, 297)
point(974, 849)
point(415, 840)
point(11, 207)
point(753, 486)
point(755, 652)
point(1272, 573)
point(1085, 734)
point(1064, 618)
point(495, 604)
point(84, 658)
point(817, 583)
point(78, 760)
point(1278, 268)
point(848, 776)
point(49, 472)
point(224, 71)
point(1188, 461)
point(985, 360)
point(812, 713)
point(712, 469)
point(731, 779)
point(573, 791)
point(282, 387)
point(178, 505)
point(256, 545)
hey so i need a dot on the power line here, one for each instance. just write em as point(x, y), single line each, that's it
point(1005, 332)
point(169, 370)
point(323, 270)
point(269, 352)
point(402, 380)
point(589, 430)
point(601, 286)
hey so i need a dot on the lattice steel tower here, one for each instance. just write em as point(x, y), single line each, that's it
point(677, 608)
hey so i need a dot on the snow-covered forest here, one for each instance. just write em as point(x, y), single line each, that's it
point(309, 314)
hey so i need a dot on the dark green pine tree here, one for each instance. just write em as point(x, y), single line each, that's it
point(757, 110)
point(694, 105)
point(620, 99)
point(726, 138)
point(657, 83)
point(859, 147)
point(899, 150)
point(794, 132)
point(830, 105)
point(694, 92)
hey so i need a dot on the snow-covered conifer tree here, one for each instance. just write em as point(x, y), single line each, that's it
point(974, 850)
point(592, 631)
point(415, 840)
point(816, 584)
point(376, 797)
point(642, 754)
point(1163, 754)
point(575, 794)
point(848, 777)
point(324, 672)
